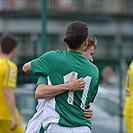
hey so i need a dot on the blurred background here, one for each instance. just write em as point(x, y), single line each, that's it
point(39, 26)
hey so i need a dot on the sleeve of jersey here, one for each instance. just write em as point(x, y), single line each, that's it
point(42, 80)
point(42, 65)
point(10, 76)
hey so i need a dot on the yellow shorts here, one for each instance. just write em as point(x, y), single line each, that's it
point(6, 124)
point(129, 123)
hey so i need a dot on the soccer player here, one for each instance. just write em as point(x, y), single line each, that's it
point(128, 109)
point(65, 112)
point(42, 83)
point(9, 116)
point(89, 50)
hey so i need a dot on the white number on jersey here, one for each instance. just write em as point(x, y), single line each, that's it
point(70, 98)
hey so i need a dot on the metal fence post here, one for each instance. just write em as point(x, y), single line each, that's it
point(44, 23)
point(120, 58)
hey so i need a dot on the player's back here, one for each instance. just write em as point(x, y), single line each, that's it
point(8, 73)
point(71, 105)
point(67, 109)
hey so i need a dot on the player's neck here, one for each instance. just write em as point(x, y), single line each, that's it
point(7, 56)
point(80, 49)
point(75, 50)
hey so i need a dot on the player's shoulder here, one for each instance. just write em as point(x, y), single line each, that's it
point(131, 65)
point(6, 62)
point(53, 53)
point(94, 67)
point(12, 64)
point(131, 68)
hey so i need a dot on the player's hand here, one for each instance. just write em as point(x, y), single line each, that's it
point(88, 113)
point(75, 84)
point(14, 123)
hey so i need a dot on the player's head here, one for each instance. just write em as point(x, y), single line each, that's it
point(89, 50)
point(76, 34)
point(8, 45)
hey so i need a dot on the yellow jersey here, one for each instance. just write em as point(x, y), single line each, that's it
point(8, 77)
point(128, 110)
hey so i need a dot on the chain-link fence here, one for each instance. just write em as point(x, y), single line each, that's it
point(39, 26)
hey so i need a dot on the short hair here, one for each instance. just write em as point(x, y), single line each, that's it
point(76, 33)
point(91, 42)
point(8, 43)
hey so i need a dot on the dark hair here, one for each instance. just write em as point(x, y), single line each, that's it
point(8, 43)
point(76, 33)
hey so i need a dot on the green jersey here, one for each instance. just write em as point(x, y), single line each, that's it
point(59, 66)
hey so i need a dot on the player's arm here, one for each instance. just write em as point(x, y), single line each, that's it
point(39, 65)
point(27, 67)
point(10, 98)
point(44, 91)
point(10, 74)
point(49, 91)
point(43, 81)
